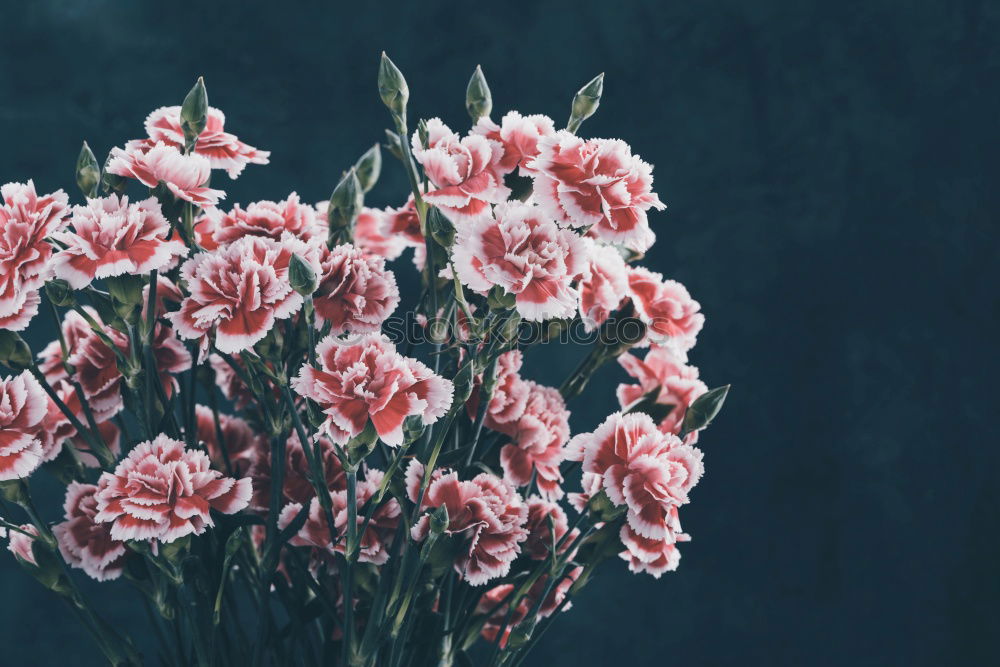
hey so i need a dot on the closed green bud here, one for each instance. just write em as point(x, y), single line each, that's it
point(368, 167)
point(522, 632)
point(478, 100)
point(194, 112)
point(112, 182)
point(440, 228)
point(392, 87)
point(60, 293)
point(464, 382)
point(302, 275)
point(439, 520)
point(585, 102)
point(345, 205)
point(704, 409)
point(14, 352)
point(126, 296)
point(88, 173)
point(393, 144)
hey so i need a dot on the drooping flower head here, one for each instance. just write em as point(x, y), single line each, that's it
point(111, 237)
point(26, 219)
point(161, 491)
point(676, 385)
point(604, 285)
point(485, 512)
point(222, 149)
point(464, 171)
point(539, 436)
point(518, 138)
point(596, 183)
point(84, 542)
point(525, 253)
point(356, 293)
point(267, 218)
point(185, 175)
point(23, 405)
point(666, 308)
point(239, 291)
point(367, 379)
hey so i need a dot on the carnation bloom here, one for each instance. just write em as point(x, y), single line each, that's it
point(111, 237)
point(84, 542)
point(23, 405)
point(356, 293)
point(538, 546)
point(510, 392)
point(267, 218)
point(675, 384)
point(485, 511)
point(25, 221)
point(162, 491)
point(464, 171)
point(596, 183)
point(642, 468)
point(493, 603)
point(239, 445)
point(369, 235)
point(297, 486)
point(222, 149)
point(21, 545)
point(403, 223)
point(604, 285)
point(666, 308)
point(239, 291)
point(526, 254)
point(518, 137)
point(653, 555)
point(58, 430)
point(367, 379)
point(539, 435)
point(183, 174)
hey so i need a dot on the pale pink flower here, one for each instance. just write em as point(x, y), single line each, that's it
point(494, 602)
point(539, 436)
point(23, 405)
point(676, 384)
point(518, 136)
point(596, 183)
point(642, 468)
point(184, 174)
point(84, 542)
point(510, 392)
point(370, 235)
point(666, 308)
point(297, 486)
point(525, 253)
point(367, 379)
point(111, 237)
point(26, 219)
point(239, 292)
point(604, 285)
point(223, 150)
point(163, 492)
point(538, 546)
point(240, 444)
point(403, 223)
point(653, 555)
point(463, 171)
point(356, 293)
point(488, 515)
point(21, 545)
point(267, 218)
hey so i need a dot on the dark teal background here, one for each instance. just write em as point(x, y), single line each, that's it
point(830, 171)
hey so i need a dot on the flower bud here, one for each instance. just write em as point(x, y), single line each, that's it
point(112, 182)
point(464, 382)
point(14, 491)
point(60, 293)
point(368, 167)
point(478, 100)
point(704, 409)
point(392, 87)
point(302, 275)
point(440, 228)
point(88, 173)
point(439, 520)
point(345, 205)
point(393, 145)
point(194, 113)
point(14, 352)
point(522, 632)
point(585, 102)
point(126, 296)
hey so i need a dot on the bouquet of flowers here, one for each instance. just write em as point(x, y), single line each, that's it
point(288, 473)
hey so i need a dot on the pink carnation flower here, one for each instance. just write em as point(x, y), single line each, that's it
point(111, 237)
point(22, 545)
point(184, 174)
point(493, 603)
point(518, 137)
point(403, 223)
point(485, 511)
point(510, 392)
point(297, 486)
point(162, 491)
point(676, 383)
point(527, 255)
point(367, 379)
point(596, 183)
point(267, 218)
point(653, 555)
point(604, 285)
point(23, 405)
point(25, 221)
point(239, 292)
point(222, 149)
point(539, 435)
point(370, 235)
point(356, 293)
point(538, 546)
point(464, 171)
point(666, 308)
point(84, 542)
point(58, 430)
point(648, 471)
point(240, 444)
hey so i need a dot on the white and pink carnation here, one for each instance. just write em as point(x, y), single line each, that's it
point(518, 136)
point(539, 436)
point(184, 174)
point(356, 293)
point(269, 219)
point(22, 543)
point(84, 542)
point(603, 286)
point(676, 385)
point(23, 406)
point(671, 316)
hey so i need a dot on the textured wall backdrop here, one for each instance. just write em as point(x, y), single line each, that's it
point(831, 179)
